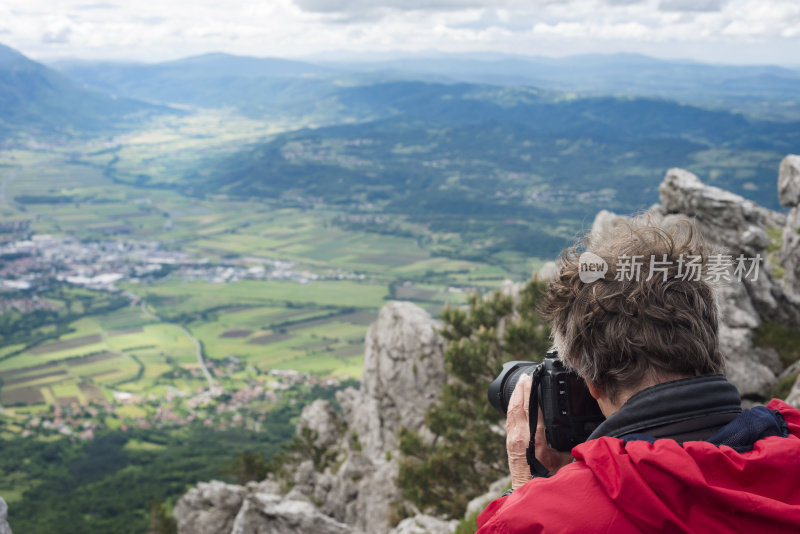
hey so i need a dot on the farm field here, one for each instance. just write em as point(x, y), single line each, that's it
point(342, 267)
point(316, 328)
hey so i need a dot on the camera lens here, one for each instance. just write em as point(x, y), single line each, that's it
point(503, 386)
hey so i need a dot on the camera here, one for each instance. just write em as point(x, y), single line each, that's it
point(570, 413)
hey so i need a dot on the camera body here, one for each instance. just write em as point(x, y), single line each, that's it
point(570, 413)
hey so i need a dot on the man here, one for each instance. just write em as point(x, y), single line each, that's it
point(676, 452)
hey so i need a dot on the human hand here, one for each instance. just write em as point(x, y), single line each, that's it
point(518, 436)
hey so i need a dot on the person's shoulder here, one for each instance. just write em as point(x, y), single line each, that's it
point(789, 412)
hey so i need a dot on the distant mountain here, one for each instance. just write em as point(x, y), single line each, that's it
point(36, 99)
point(517, 168)
point(252, 85)
point(256, 86)
point(765, 90)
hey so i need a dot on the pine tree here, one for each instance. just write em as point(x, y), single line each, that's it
point(468, 451)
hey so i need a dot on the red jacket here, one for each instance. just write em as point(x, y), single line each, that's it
point(635, 486)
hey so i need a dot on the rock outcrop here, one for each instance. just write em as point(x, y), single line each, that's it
point(356, 490)
point(4, 528)
point(425, 524)
point(789, 195)
point(736, 226)
point(215, 508)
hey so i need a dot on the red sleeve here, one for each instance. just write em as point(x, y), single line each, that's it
point(571, 501)
point(489, 512)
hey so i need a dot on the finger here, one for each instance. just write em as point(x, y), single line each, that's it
point(517, 418)
point(540, 422)
point(520, 399)
point(525, 383)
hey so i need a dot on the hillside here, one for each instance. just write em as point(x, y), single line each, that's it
point(257, 85)
point(253, 86)
point(766, 90)
point(506, 169)
point(37, 100)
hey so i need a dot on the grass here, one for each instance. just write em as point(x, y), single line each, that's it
point(140, 445)
point(175, 297)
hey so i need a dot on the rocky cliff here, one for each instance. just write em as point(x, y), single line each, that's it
point(4, 528)
point(353, 489)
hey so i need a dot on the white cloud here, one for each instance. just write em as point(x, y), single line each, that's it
point(690, 5)
point(708, 30)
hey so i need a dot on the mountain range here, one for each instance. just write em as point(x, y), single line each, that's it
point(37, 100)
point(768, 91)
point(417, 137)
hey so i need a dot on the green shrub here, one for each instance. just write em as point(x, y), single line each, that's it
point(468, 454)
point(785, 340)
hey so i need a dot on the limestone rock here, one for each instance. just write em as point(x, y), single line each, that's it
point(219, 508)
point(794, 395)
point(789, 181)
point(548, 271)
point(321, 418)
point(480, 502)
point(736, 226)
point(604, 222)
point(789, 190)
point(4, 528)
point(790, 253)
point(266, 513)
point(726, 213)
point(424, 524)
point(403, 374)
point(209, 508)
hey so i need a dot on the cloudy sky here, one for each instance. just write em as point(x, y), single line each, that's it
point(729, 31)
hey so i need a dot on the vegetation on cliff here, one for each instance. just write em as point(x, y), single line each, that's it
point(468, 451)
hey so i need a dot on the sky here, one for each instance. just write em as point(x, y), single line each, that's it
point(713, 31)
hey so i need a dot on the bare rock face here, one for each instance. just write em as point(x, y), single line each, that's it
point(789, 191)
point(548, 271)
point(217, 508)
point(738, 226)
point(482, 501)
point(789, 181)
point(268, 513)
point(209, 508)
point(604, 222)
point(425, 524)
point(322, 419)
point(403, 374)
point(794, 395)
point(4, 528)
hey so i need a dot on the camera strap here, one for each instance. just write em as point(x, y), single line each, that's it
point(537, 469)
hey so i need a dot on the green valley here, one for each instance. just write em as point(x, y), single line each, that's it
point(185, 264)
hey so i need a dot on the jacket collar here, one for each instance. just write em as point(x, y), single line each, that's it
point(672, 402)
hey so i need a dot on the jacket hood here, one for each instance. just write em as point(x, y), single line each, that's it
point(663, 486)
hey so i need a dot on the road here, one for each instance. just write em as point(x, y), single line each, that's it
point(197, 345)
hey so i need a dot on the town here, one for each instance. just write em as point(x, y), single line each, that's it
point(213, 407)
